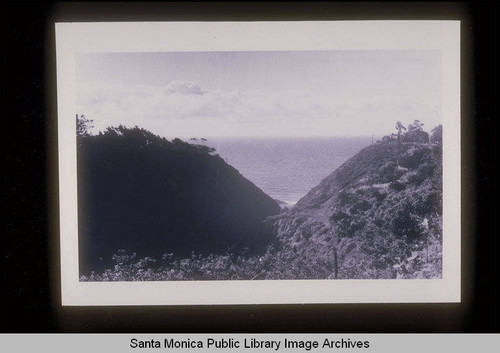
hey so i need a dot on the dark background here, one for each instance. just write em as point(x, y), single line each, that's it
point(30, 293)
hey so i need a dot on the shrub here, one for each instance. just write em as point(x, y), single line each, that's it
point(417, 136)
point(424, 172)
point(414, 160)
point(397, 186)
point(406, 223)
point(437, 135)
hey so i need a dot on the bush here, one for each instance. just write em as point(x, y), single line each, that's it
point(437, 135)
point(406, 223)
point(424, 172)
point(416, 136)
point(414, 160)
point(397, 186)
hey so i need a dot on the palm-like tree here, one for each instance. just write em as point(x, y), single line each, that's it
point(400, 127)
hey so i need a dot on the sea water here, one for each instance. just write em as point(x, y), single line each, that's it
point(287, 168)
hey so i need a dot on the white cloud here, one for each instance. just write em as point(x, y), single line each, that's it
point(183, 108)
point(181, 87)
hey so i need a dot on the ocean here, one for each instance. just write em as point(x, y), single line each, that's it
point(287, 168)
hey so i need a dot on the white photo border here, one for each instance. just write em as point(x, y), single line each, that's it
point(115, 37)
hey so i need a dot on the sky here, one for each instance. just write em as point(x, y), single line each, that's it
point(278, 94)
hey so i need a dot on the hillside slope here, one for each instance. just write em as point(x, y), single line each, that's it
point(376, 216)
point(147, 195)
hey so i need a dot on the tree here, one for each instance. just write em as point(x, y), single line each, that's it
point(416, 126)
point(400, 127)
point(416, 133)
point(437, 135)
point(83, 126)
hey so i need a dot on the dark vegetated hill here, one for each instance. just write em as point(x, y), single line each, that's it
point(145, 194)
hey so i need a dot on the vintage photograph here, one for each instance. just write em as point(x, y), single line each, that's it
point(259, 165)
point(260, 162)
